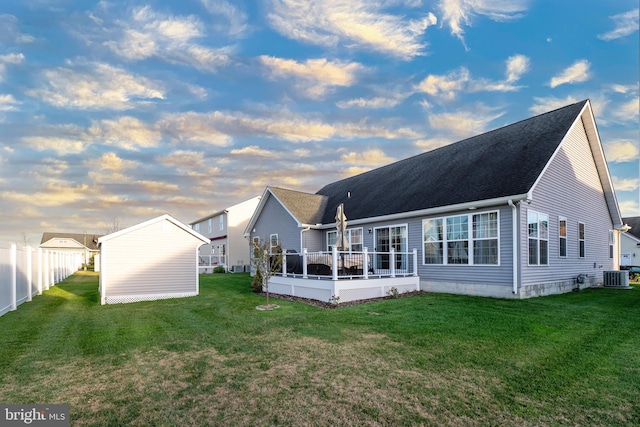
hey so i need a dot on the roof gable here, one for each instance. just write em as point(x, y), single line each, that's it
point(91, 239)
point(634, 223)
point(500, 163)
point(164, 217)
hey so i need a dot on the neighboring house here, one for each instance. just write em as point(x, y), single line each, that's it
point(228, 247)
point(525, 210)
point(156, 259)
point(630, 243)
point(86, 245)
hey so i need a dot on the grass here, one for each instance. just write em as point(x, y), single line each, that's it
point(432, 359)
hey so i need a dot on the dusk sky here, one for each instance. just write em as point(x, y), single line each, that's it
point(126, 110)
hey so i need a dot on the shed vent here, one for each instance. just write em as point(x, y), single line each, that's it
point(616, 279)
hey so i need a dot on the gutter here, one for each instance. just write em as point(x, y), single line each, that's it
point(514, 240)
point(302, 237)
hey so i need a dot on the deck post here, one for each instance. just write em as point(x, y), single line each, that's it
point(415, 262)
point(392, 261)
point(365, 262)
point(284, 264)
point(334, 263)
point(304, 263)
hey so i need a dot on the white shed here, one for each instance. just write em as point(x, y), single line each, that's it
point(156, 259)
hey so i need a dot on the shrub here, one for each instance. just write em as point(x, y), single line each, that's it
point(256, 284)
point(219, 269)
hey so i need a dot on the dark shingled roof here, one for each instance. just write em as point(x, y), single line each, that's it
point(307, 208)
point(500, 163)
point(92, 239)
point(634, 222)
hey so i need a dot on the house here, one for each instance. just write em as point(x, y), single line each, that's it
point(225, 229)
point(156, 259)
point(85, 245)
point(525, 210)
point(630, 243)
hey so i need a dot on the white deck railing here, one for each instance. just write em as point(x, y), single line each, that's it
point(337, 265)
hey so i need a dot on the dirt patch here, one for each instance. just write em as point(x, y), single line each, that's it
point(324, 304)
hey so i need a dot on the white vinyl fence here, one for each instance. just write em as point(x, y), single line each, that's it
point(26, 272)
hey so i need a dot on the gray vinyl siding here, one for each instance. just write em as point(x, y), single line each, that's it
point(571, 188)
point(274, 219)
point(479, 274)
point(132, 268)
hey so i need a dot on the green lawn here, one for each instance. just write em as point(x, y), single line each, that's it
point(432, 359)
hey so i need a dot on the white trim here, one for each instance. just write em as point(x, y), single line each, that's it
point(120, 299)
point(470, 239)
point(537, 238)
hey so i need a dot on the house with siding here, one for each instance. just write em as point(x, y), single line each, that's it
point(83, 244)
point(156, 259)
point(228, 246)
point(630, 243)
point(525, 210)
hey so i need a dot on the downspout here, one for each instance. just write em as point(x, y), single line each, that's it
point(514, 240)
point(302, 238)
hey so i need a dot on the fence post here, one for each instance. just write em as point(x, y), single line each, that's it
point(40, 271)
point(14, 277)
point(29, 274)
point(283, 267)
point(415, 262)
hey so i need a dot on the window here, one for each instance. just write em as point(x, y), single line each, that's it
point(196, 227)
point(457, 240)
point(485, 238)
point(273, 243)
point(332, 237)
point(210, 225)
point(538, 228)
point(581, 243)
point(562, 236)
point(432, 230)
point(221, 223)
point(451, 240)
point(354, 237)
point(611, 243)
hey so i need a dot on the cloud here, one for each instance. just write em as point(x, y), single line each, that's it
point(55, 193)
point(7, 102)
point(517, 65)
point(10, 32)
point(357, 24)
point(167, 37)
point(576, 73)
point(157, 187)
point(371, 157)
point(61, 146)
point(234, 21)
point(627, 111)
point(254, 151)
point(182, 159)
point(191, 127)
point(621, 151)
point(625, 184)
point(11, 58)
point(110, 162)
point(125, 132)
point(373, 103)
point(543, 105)
point(458, 13)
point(629, 208)
point(464, 123)
point(314, 77)
point(445, 86)
point(625, 24)
point(101, 86)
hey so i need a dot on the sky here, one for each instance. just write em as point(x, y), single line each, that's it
point(115, 112)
